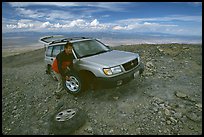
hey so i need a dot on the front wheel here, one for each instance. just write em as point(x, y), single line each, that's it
point(74, 84)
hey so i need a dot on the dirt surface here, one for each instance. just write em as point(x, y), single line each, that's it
point(166, 99)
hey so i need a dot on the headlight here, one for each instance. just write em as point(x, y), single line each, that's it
point(112, 71)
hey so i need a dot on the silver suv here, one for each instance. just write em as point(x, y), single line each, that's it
point(94, 64)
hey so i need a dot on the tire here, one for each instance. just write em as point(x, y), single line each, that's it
point(75, 85)
point(66, 121)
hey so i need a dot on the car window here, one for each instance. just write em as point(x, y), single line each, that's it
point(56, 50)
point(62, 47)
point(88, 48)
point(49, 51)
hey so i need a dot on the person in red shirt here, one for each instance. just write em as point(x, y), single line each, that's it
point(62, 63)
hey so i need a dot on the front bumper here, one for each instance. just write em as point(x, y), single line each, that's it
point(120, 79)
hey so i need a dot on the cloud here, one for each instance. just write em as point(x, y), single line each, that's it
point(21, 24)
point(44, 14)
point(162, 19)
point(45, 24)
point(146, 26)
point(160, 24)
point(97, 6)
point(74, 25)
point(26, 4)
point(78, 23)
point(94, 23)
point(119, 28)
point(195, 4)
point(29, 13)
point(11, 26)
point(57, 14)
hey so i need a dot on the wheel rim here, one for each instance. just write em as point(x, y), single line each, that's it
point(66, 114)
point(72, 84)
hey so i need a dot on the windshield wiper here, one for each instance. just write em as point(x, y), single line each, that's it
point(86, 55)
point(100, 52)
point(94, 53)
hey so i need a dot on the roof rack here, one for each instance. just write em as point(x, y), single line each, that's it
point(59, 38)
point(49, 39)
point(69, 39)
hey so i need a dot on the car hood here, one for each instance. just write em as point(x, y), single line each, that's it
point(111, 58)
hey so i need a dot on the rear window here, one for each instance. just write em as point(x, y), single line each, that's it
point(49, 51)
point(56, 50)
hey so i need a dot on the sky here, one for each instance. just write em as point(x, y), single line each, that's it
point(180, 18)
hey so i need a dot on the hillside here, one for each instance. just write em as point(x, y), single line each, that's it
point(165, 100)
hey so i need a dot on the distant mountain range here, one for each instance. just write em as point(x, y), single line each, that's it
point(20, 39)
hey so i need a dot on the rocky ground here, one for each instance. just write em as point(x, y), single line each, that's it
point(166, 99)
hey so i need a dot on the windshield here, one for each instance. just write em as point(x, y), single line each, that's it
point(89, 48)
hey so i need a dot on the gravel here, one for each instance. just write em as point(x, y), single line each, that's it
point(165, 100)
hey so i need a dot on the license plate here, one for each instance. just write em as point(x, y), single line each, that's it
point(136, 74)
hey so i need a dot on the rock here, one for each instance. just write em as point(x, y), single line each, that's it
point(138, 131)
point(180, 94)
point(170, 76)
point(191, 99)
point(148, 74)
point(111, 131)
point(163, 119)
point(149, 64)
point(167, 112)
point(59, 105)
point(115, 98)
point(89, 130)
point(124, 129)
point(162, 105)
point(185, 47)
point(173, 120)
point(199, 105)
point(168, 122)
point(178, 115)
point(160, 50)
point(193, 116)
point(155, 109)
point(158, 100)
point(95, 121)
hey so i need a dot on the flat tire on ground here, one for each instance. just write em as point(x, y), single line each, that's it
point(66, 121)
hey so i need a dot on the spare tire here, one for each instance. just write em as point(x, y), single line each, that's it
point(74, 85)
point(66, 121)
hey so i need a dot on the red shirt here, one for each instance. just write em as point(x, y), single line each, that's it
point(61, 62)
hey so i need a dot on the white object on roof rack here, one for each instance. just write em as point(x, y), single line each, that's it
point(50, 39)
point(47, 40)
